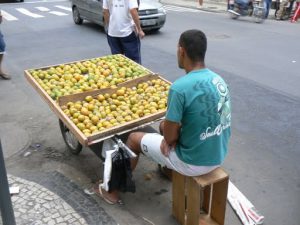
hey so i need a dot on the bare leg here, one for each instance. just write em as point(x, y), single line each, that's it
point(2, 74)
point(163, 169)
point(134, 143)
point(200, 2)
point(161, 127)
point(1, 59)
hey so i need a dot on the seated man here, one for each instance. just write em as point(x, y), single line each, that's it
point(196, 130)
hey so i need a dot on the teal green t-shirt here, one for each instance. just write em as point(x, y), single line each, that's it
point(200, 102)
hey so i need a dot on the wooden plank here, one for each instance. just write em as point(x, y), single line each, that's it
point(88, 59)
point(206, 198)
point(56, 109)
point(193, 202)
point(178, 197)
point(206, 220)
point(212, 177)
point(63, 100)
point(218, 204)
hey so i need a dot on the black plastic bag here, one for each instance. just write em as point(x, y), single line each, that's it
point(121, 174)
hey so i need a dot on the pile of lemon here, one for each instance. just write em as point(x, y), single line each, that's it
point(92, 74)
point(124, 104)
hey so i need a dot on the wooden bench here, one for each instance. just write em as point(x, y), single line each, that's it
point(200, 200)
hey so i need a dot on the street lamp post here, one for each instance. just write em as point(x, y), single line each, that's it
point(7, 212)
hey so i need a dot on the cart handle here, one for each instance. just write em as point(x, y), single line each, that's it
point(120, 144)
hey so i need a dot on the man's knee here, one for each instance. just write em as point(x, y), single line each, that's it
point(134, 141)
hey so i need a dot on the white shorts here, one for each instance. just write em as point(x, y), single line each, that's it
point(150, 145)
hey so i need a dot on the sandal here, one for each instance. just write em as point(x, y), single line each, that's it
point(98, 191)
point(5, 76)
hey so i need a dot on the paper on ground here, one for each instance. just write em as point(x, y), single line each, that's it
point(14, 190)
point(243, 207)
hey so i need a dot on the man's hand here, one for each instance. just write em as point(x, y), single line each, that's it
point(141, 34)
point(165, 148)
point(136, 19)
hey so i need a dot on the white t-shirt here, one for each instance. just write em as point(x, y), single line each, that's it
point(121, 23)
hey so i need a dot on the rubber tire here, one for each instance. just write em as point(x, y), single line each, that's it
point(76, 16)
point(258, 15)
point(74, 150)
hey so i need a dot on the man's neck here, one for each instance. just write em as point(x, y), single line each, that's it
point(196, 66)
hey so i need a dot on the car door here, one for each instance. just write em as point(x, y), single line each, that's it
point(83, 7)
point(96, 11)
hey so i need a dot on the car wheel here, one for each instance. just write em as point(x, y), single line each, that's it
point(72, 143)
point(76, 16)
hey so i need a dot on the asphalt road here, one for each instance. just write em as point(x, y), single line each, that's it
point(259, 61)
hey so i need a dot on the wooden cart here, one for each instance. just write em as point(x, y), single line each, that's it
point(73, 136)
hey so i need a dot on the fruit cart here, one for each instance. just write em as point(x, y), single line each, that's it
point(97, 99)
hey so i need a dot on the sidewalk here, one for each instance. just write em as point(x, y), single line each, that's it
point(64, 204)
point(216, 6)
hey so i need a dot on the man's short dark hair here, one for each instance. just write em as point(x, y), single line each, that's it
point(194, 42)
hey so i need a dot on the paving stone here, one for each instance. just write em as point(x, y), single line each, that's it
point(22, 210)
point(51, 222)
point(59, 220)
point(55, 215)
point(48, 198)
point(46, 219)
point(67, 217)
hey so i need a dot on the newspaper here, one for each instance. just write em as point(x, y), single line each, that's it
point(246, 211)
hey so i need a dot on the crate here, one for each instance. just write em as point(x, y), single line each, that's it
point(106, 133)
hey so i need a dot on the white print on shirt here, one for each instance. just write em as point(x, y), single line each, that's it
point(224, 110)
point(217, 131)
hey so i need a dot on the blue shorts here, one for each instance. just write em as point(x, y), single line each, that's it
point(2, 44)
point(129, 46)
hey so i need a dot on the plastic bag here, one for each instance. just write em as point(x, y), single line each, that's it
point(121, 174)
point(107, 169)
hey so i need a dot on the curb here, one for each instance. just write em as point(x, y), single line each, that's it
point(200, 9)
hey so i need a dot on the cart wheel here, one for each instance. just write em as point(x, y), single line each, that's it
point(71, 141)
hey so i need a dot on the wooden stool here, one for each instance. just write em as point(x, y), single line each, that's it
point(200, 200)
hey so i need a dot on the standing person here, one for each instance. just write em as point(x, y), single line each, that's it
point(196, 130)
point(282, 9)
point(267, 5)
point(123, 28)
point(2, 50)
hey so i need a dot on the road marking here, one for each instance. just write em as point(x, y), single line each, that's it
point(43, 9)
point(8, 16)
point(58, 13)
point(64, 8)
point(28, 13)
point(179, 9)
point(42, 1)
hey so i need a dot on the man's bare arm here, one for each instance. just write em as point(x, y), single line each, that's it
point(171, 135)
point(106, 18)
point(171, 132)
point(136, 19)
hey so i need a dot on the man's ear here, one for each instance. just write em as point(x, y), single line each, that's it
point(181, 51)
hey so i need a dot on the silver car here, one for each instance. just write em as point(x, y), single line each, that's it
point(151, 12)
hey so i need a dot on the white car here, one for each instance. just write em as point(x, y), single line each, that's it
point(151, 12)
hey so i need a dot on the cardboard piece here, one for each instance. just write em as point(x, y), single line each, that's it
point(246, 211)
